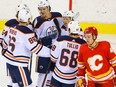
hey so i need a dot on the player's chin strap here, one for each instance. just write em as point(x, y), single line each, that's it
point(57, 26)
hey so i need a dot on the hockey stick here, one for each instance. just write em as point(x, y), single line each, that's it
point(57, 26)
point(30, 67)
point(76, 15)
point(46, 73)
point(59, 31)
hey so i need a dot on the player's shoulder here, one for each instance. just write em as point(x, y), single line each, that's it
point(68, 38)
point(80, 41)
point(84, 45)
point(11, 22)
point(63, 37)
point(56, 14)
point(104, 43)
point(24, 29)
point(37, 22)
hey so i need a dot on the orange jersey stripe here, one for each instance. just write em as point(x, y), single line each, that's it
point(37, 48)
point(64, 76)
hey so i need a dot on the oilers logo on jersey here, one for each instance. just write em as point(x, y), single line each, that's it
point(52, 32)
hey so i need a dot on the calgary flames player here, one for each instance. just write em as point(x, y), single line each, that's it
point(97, 60)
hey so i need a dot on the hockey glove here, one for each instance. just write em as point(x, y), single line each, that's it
point(81, 82)
point(46, 41)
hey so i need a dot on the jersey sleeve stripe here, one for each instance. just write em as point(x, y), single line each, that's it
point(53, 58)
point(36, 48)
point(39, 49)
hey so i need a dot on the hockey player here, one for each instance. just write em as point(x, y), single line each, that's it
point(47, 27)
point(22, 42)
point(68, 16)
point(13, 22)
point(97, 60)
point(8, 24)
point(64, 52)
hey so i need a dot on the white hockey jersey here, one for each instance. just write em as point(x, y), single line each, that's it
point(21, 43)
point(64, 52)
point(47, 27)
point(64, 30)
point(4, 38)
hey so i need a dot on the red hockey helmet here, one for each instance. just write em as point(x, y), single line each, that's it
point(92, 30)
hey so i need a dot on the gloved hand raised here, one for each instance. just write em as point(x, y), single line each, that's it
point(46, 41)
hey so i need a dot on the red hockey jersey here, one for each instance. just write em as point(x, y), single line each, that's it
point(99, 63)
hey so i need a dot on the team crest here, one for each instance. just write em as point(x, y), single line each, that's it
point(52, 32)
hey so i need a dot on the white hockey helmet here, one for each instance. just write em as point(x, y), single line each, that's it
point(69, 13)
point(22, 6)
point(74, 27)
point(24, 15)
point(43, 3)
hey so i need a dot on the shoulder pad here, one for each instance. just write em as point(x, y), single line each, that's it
point(68, 38)
point(24, 29)
point(11, 22)
point(37, 22)
point(64, 37)
point(56, 14)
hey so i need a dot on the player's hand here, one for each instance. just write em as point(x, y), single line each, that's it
point(3, 51)
point(46, 41)
point(81, 82)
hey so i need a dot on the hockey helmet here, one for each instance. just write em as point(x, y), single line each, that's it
point(74, 27)
point(43, 3)
point(91, 30)
point(69, 14)
point(22, 6)
point(24, 15)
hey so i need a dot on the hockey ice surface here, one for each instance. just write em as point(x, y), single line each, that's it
point(4, 79)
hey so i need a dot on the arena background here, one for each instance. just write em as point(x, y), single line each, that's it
point(98, 13)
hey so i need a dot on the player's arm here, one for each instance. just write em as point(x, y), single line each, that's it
point(46, 41)
point(112, 58)
point(4, 34)
point(32, 44)
point(111, 55)
point(55, 51)
point(4, 39)
point(81, 63)
point(81, 82)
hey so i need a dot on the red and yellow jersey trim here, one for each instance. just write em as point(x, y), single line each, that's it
point(101, 77)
